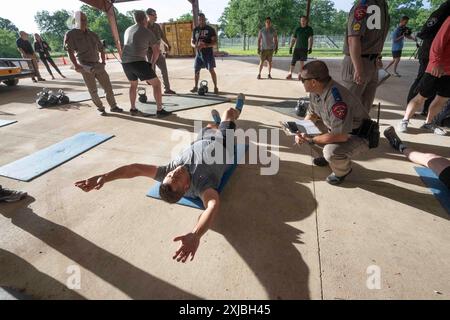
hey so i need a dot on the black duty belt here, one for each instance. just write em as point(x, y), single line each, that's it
point(370, 56)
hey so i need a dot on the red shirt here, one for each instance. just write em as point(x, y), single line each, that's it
point(440, 49)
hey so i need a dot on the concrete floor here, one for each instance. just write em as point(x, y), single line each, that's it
point(288, 236)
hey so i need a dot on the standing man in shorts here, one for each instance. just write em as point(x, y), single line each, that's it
point(267, 46)
point(398, 41)
point(204, 38)
point(302, 39)
point(137, 40)
point(436, 80)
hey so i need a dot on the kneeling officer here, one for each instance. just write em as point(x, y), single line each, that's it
point(350, 130)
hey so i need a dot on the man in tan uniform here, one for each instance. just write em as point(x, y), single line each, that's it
point(161, 62)
point(87, 46)
point(341, 112)
point(367, 28)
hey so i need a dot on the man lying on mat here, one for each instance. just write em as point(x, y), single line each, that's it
point(193, 173)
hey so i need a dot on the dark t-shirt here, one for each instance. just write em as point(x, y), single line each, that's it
point(204, 34)
point(25, 45)
point(42, 48)
point(302, 35)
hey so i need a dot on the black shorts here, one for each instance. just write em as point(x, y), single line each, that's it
point(300, 54)
point(445, 177)
point(397, 54)
point(141, 70)
point(223, 127)
point(429, 86)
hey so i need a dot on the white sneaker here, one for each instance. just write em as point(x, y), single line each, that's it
point(403, 126)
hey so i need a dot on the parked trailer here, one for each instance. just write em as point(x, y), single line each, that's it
point(13, 69)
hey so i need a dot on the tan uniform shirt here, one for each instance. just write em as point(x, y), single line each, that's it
point(86, 45)
point(339, 109)
point(359, 23)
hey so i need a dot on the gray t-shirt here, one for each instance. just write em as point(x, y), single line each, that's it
point(267, 36)
point(137, 40)
point(199, 159)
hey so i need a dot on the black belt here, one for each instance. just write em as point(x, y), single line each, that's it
point(370, 56)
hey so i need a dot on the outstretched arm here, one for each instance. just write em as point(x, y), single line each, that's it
point(190, 242)
point(125, 172)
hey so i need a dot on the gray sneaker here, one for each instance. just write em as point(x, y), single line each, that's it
point(434, 128)
point(403, 126)
point(8, 195)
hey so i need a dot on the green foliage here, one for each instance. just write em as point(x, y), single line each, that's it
point(6, 24)
point(98, 22)
point(53, 27)
point(185, 17)
point(8, 47)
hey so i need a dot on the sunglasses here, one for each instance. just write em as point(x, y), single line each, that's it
point(304, 79)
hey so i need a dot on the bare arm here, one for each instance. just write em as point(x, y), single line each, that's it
point(74, 61)
point(155, 54)
point(190, 242)
point(323, 139)
point(310, 42)
point(125, 172)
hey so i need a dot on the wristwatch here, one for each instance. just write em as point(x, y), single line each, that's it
point(311, 141)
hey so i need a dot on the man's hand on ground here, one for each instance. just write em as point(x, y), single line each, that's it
point(188, 246)
point(96, 183)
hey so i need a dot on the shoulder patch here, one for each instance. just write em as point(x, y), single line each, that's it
point(356, 26)
point(360, 12)
point(340, 110)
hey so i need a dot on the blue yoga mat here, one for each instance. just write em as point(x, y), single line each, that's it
point(34, 165)
point(437, 187)
point(6, 122)
point(197, 203)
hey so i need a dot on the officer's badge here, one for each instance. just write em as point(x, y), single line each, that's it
point(431, 22)
point(360, 12)
point(356, 26)
point(340, 110)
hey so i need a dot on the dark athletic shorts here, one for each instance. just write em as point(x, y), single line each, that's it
point(141, 70)
point(397, 54)
point(429, 86)
point(300, 54)
point(204, 60)
point(445, 177)
point(223, 127)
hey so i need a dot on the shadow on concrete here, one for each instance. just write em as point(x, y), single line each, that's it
point(132, 281)
point(20, 279)
point(369, 180)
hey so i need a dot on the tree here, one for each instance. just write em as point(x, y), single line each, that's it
point(399, 8)
point(98, 22)
point(8, 47)
point(53, 27)
point(6, 24)
point(185, 17)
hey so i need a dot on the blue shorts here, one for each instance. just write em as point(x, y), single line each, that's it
point(204, 60)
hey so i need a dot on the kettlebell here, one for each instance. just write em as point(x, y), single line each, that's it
point(142, 95)
point(42, 99)
point(203, 89)
point(301, 107)
point(62, 98)
point(52, 99)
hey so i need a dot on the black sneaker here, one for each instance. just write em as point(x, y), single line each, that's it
point(8, 195)
point(134, 111)
point(320, 162)
point(335, 180)
point(258, 77)
point(163, 113)
point(393, 139)
point(116, 109)
point(269, 76)
point(168, 91)
point(194, 90)
point(101, 111)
